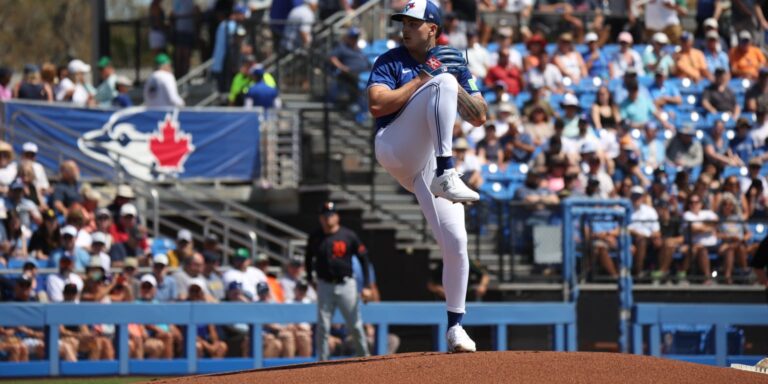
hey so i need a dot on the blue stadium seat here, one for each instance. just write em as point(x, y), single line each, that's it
point(641, 48)
point(581, 48)
point(551, 48)
point(589, 85)
point(517, 171)
point(586, 100)
point(492, 173)
point(489, 96)
point(764, 170)
point(686, 86)
point(495, 190)
point(492, 47)
point(645, 80)
point(609, 50)
point(732, 171)
point(758, 230)
point(162, 245)
point(739, 85)
point(520, 47)
point(362, 79)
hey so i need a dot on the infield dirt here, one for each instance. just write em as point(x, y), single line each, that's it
point(489, 367)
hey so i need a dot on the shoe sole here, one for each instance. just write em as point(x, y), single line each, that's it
point(462, 201)
point(462, 350)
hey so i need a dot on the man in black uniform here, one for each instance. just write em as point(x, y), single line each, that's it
point(329, 254)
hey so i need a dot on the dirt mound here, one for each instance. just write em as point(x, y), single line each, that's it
point(490, 367)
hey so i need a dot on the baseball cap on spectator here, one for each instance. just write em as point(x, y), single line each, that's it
point(262, 288)
point(536, 39)
point(570, 100)
point(687, 129)
point(242, 253)
point(211, 238)
point(16, 184)
point(506, 108)
point(70, 289)
point(755, 162)
point(104, 62)
point(625, 37)
point(745, 36)
point(711, 23)
point(162, 59)
point(420, 10)
point(661, 38)
point(713, 35)
point(590, 37)
point(686, 36)
point(210, 257)
point(353, 31)
point(261, 257)
point(29, 147)
point(103, 212)
point(78, 66)
point(160, 258)
point(257, 70)
point(124, 81)
point(184, 235)
point(125, 190)
point(235, 286)
point(31, 68)
point(131, 262)
point(128, 210)
point(566, 37)
point(69, 231)
point(461, 144)
point(94, 262)
point(505, 32)
point(637, 191)
point(149, 278)
point(660, 71)
point(328, 208)
point(98, 237)
point(240, 9)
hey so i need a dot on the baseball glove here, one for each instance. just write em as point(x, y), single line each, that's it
point(444, 59)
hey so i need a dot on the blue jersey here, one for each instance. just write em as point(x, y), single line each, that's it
point(396, 68)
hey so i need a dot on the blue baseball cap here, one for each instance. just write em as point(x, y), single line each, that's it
point(420, 9)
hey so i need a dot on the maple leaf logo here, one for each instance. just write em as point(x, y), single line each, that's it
point(170, 146)
point(409, 6)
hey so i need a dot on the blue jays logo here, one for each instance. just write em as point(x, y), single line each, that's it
point(409, 6)
point(145, 155)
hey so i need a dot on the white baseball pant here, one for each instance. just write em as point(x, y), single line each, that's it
point(406, 148)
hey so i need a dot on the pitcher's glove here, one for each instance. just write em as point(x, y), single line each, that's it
point(444, 59)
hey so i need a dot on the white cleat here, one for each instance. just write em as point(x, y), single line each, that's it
point(450, 187)
point(459, 341)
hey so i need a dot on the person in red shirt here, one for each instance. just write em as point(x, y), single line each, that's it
point(127, 233)
point(506, 72)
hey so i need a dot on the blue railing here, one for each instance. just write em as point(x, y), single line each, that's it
point(720, 316)
point(561, 316)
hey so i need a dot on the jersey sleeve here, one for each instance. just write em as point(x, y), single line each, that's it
point(383, 73)
point(468, 82)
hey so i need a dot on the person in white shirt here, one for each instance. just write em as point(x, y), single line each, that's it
point(467, 163)
point(478, 57)
point(29, 153)
point(161, 90)
point(191, 274)
point(75, 88)
point(54, 286)
point(294, 271)
point(702, 226)
point(8, 167)
point(625, 58)
point(244, 273)
point(662, 16)
point(546, 74)
point(644, 228)
point(98, 248)
point(298, 28)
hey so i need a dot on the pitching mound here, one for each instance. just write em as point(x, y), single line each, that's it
point(490, 367)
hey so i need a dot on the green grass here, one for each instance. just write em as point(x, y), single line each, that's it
point(80, 380)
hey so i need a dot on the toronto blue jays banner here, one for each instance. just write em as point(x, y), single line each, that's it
point(149, 144)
